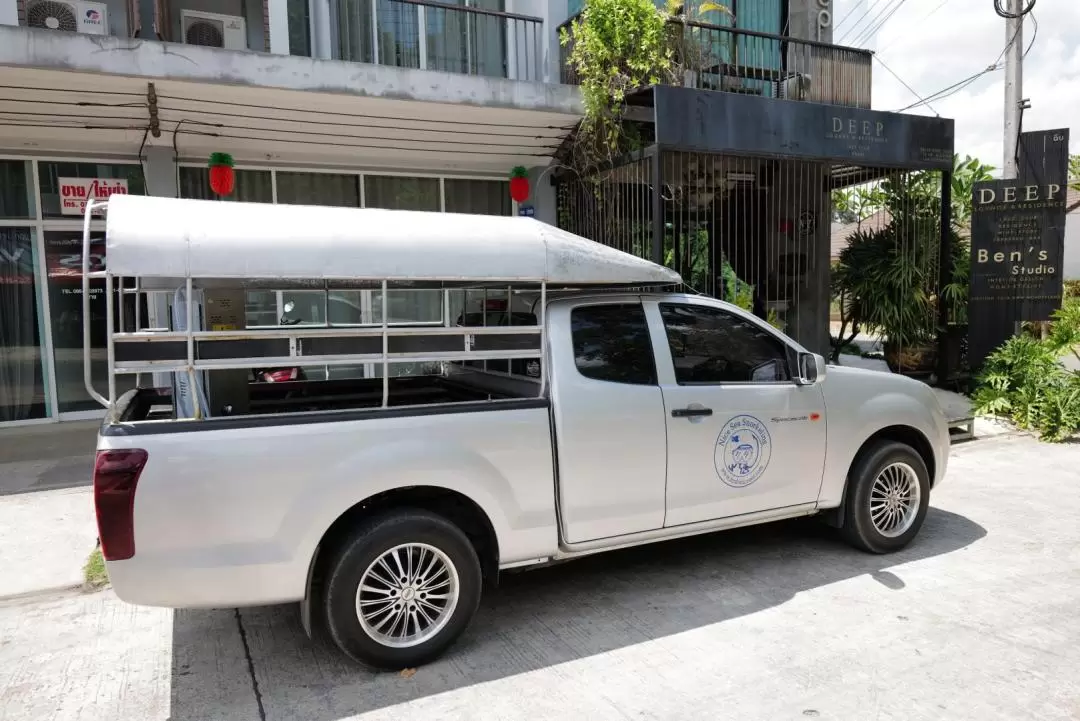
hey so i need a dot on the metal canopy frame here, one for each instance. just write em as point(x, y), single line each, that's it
point(192, 352)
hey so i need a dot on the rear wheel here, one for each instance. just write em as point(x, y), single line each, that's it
point(887, 498)
point(402, 589)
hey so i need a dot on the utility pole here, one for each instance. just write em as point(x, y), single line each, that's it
point(1014, 83)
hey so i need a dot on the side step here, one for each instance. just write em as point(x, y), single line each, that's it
point(962, 429)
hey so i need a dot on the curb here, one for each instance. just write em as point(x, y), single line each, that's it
point(45, 593)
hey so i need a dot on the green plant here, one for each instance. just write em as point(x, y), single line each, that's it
point(94, 574)
point(616, 47)
point(1025, 381)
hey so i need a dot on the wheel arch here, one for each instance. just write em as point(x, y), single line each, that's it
point(452, 505)
point(900, 433)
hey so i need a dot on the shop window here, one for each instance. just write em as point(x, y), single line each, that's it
point(482, 197)
point(62, 200)
point(63, 264)
point(16, 200)
point(22, 374)
point(318, 189)
point(252, 186)
point(299, 27)
point(401, 193)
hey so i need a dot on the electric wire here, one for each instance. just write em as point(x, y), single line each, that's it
point(852, 12)
point(963, 84)
point(920, 21)
point(858, 22)
point(869, 34)
point(904, 83)
point(1002, 12)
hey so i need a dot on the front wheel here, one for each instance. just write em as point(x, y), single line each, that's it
point(402, 589)
point(887, 498)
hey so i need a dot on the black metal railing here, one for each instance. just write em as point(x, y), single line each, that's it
point(715, 57)
point(432, 35)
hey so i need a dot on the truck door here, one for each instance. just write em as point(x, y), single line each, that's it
point(741, 435)
point(608, 414)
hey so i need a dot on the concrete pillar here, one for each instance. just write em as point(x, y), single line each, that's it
point(278, 16)
point(542, 197)
point(159, 165)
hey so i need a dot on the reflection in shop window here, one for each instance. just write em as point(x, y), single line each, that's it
point(341, 191)
point(481, 197)
point(401, 193)
point(252, 186)
point(16, 200)
point(22, 374)
point(50, 174)
point(63, 263)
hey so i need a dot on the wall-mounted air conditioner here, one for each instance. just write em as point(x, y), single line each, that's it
point(214, 31)
point(73, 16)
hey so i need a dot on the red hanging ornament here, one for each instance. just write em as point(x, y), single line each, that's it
point(222, 175)
point(519, 184)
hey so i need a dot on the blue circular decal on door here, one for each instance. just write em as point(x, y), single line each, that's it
point(742, 452)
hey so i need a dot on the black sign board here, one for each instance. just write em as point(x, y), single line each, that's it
point(1018, 244)
point(707, 121)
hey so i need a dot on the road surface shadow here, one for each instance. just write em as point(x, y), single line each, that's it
point(531, 621)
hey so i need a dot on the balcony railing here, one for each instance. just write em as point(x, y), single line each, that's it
point(714, 57)
point(432, 35)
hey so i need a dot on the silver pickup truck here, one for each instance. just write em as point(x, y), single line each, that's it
point(644, 416)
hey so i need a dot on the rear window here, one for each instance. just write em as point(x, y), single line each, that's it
point(611, 343)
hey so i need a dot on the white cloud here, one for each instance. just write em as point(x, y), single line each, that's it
point(932, 44)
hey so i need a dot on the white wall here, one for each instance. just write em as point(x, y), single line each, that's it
point(9, 14)
point(1071, 263)
point(553, 13)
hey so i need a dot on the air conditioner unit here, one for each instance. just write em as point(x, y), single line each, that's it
point(214, 31)
point(73, 16)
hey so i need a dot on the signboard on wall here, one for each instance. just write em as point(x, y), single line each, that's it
point(75, 192)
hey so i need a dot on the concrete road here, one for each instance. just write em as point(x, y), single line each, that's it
point(46, 457)
point(976, 620)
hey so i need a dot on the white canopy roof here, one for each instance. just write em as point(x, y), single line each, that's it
point(169, 238)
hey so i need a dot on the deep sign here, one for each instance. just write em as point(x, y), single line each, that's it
point(1017, 246)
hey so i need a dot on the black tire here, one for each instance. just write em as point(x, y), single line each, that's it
point(859, 529)
point(363, 548)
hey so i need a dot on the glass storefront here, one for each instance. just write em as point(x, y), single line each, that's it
point(22, 362)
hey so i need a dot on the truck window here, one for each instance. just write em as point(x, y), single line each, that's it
point(611, 343)
point(709, 345)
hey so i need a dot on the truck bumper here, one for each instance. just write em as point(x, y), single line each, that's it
point(143, 583)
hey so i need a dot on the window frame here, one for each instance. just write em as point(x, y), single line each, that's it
point(649, 335)
point(789, 350)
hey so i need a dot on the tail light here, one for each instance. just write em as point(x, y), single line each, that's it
point(116, 473)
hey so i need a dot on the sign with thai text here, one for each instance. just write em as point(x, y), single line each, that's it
point(75, 192)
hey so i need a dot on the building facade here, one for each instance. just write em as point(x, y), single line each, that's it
point(409, 104)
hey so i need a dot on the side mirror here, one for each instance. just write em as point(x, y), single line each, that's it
point(811, 369)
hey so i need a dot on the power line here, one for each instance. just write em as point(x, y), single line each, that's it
point(961, 85)
point(902, 82)
point(859, 21)
point(852, 12)
point(921, 20)
point(870, 33)
point(1002, 12)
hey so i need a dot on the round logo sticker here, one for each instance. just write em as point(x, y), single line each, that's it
point(742, 451)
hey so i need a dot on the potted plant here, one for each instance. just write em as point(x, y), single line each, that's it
point(885, 281)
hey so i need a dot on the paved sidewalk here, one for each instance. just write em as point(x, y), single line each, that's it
point(45, 538)
point(975, 620)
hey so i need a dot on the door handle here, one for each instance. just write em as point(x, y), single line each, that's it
point(690, 412)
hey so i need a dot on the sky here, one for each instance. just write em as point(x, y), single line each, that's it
point(932, 44)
